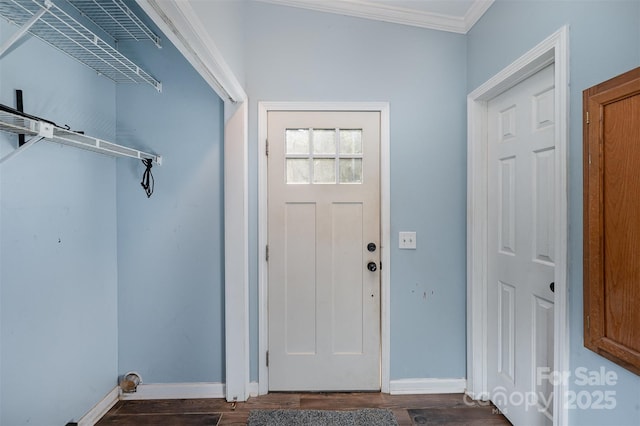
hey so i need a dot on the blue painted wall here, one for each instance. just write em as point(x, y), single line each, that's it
point(299, 55)
point(58, 270)
point(604, 42)
point(225, 21)
point(171, 246)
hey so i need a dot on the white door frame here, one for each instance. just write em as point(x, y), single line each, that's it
point(385, 222)
point(553, 50)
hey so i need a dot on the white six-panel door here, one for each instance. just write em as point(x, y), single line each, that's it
point(521, 249)
point(323, 213)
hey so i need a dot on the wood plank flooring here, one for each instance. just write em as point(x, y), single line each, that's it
point(408, 409)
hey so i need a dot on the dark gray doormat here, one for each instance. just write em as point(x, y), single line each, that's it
point(364, 417)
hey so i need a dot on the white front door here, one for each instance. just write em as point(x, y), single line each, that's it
point(521, 144)
point(324, 237)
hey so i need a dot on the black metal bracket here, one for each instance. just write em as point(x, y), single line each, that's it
point(20, 107)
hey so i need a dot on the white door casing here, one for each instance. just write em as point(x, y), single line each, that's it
point(383, 109)
point(521, 258)
point(324, 303)
point(553, 50)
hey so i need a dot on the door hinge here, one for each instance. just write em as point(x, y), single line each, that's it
point(267, 358)
point(266, 147)
point(588, 322)
point(266, 253)
point(588, 120)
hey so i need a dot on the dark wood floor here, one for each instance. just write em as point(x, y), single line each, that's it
point(408, 409)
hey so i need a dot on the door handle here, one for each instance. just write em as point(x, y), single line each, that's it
point(552, 287)
point(372, 266)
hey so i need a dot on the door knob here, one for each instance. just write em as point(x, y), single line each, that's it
point(372, 266)
point(552, 287)
point(371, 247)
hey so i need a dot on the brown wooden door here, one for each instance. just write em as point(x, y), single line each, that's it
point(612, 219)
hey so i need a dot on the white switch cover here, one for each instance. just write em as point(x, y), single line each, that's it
point(408, 240)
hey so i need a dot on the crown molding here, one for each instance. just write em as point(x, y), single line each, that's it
point(394, 14)
point(475, 12)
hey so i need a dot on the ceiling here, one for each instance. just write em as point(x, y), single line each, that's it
point(456, 16)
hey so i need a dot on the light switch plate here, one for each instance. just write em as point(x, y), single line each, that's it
point(408, 240)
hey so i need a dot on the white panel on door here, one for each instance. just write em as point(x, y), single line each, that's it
point(507, 208)
point(508, 123)
point(543, 206)
point(506, 334)
point(300, 260)
point(348, 243)
point(543, 109)
point(542, 332)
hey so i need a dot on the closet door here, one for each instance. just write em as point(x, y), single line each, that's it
point(612, 219)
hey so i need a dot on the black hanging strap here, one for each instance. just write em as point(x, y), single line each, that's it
point(147, 177)
point(20, 107)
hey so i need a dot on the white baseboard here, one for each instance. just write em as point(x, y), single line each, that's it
point(183, 391)
point(176, 391)
point(427, 386)
point(101, 408)
point(253, 389)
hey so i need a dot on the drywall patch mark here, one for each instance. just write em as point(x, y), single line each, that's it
point(426, 293)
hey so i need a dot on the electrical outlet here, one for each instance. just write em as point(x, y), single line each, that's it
point(407, 240)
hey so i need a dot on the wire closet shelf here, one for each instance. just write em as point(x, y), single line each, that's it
point(16, 123)
point(115, 18)
point(57, 27)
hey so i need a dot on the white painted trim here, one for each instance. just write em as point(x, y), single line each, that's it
point(385, 247)
point(236, 248)
point(253, 389)
point(555, 50)
point(427, 386)
point(385, 218)
point(395, 14)
point(101, 408)
point(181, 24)
point(176, 391)
point(263, 271)
point(561, 316)
point(180, 391)
point(475, 12)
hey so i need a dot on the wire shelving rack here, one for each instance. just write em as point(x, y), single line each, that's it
point(38, 129)
point(57, 27)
